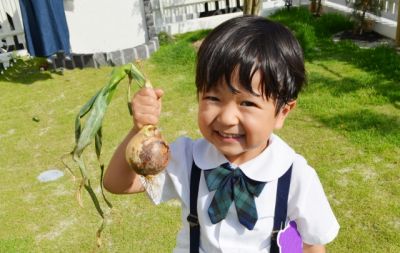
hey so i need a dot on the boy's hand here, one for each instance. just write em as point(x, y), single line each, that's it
point(146, 107)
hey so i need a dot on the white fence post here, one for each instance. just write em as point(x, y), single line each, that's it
point(181, 16)
point(12, 39)
point(176, 16)
point(187, 15)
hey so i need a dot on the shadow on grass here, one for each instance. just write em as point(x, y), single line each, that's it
point(27, 71)
point(345, 85)
point(365, 124)
point(382, 60)
point(379, 86)
point(315, 35)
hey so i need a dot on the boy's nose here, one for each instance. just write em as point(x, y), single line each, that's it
point(228, 115)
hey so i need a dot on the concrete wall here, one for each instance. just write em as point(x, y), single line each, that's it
point(105, 25)
point(107, 32)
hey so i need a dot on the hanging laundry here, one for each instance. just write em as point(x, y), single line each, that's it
point(45, 25)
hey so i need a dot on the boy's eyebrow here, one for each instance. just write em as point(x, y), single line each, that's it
point(256, 95)
point(238, 91)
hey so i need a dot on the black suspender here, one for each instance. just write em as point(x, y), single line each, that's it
point(192, 218)
point(280, 216)
point(282, 194)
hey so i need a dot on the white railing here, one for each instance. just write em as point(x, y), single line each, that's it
point(177, 11)
point(177, 16)
point(390, 10)
point(12, 39)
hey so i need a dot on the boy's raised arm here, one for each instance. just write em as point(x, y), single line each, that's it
point(119, 178)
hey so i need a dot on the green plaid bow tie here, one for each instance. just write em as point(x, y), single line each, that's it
point(232, 185)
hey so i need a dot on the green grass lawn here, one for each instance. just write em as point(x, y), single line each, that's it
point(347, 125)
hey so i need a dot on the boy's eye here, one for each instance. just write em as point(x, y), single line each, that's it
point(248, 103)
point(211, 98)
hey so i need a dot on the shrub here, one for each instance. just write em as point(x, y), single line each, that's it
point(305, 33)
point(293, 15)
point(331, 23)
point(325, 25)
point(360, 8)
point(164, 38)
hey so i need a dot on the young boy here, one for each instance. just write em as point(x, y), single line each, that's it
point(249, 73)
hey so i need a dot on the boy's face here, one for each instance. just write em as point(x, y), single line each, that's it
point(239, 125)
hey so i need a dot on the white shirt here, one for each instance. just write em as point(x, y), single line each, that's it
point(307, 203)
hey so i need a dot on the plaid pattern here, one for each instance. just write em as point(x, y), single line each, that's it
point(232, 185)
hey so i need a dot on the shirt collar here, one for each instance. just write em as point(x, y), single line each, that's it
point(267, 166)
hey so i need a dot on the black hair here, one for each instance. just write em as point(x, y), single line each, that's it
point(248, 44)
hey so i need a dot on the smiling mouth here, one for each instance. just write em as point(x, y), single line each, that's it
point(229, 135)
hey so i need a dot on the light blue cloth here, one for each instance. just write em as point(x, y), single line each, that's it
point(50, 175)
point(45, 25)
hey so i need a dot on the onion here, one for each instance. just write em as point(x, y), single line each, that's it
point(147, 153)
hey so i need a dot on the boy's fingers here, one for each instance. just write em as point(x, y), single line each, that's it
point(156, 93)
point(145, 92)
point(146, 106)
point(145, 102)
point(148, 96)
point(141, 119)
point(147, 109)
point(159, 93)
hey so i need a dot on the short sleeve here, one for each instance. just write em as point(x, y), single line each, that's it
point(159, 188)
point(309, 207)
point(169, 184)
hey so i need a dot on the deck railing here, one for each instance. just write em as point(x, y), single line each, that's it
point(12, 39)
point(172, 16)
point(177, 16)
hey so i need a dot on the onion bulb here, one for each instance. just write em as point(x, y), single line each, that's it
point(147, 153)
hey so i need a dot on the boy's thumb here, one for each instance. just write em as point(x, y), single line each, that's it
point(159, 93)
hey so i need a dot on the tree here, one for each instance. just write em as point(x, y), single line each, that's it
point(398, 27)
point(360, 9)
point(252, 7)
point(319, 8)
point(316, 7)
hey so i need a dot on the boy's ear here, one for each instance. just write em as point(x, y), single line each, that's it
point(280, 118)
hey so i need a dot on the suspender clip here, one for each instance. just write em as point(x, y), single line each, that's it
point(193, 220)
point(274, 235)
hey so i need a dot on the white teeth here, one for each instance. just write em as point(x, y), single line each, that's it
point(229, 135)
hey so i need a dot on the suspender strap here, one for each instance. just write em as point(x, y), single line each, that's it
point(282, 194)
point(192, 218)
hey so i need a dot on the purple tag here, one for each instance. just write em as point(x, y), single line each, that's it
point(289, 239)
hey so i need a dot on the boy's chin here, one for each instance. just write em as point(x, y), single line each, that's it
point(234, 156)
point(238, 155)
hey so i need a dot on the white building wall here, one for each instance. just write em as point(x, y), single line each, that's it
point(105, 25)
